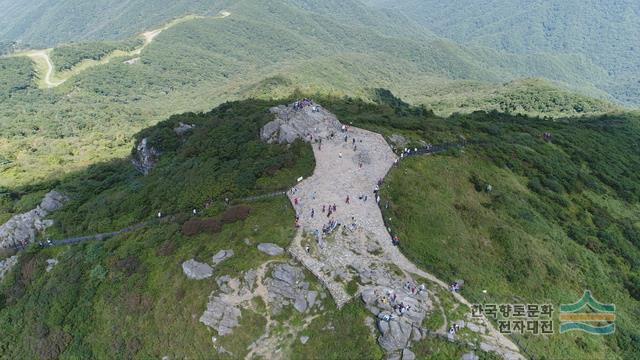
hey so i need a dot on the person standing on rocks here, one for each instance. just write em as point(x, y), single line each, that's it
point(347, 199)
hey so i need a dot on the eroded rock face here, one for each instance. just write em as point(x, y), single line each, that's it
point(145, 157)
point(22, 229)
point(291, 124)
point(196, 270)
point(221, 316)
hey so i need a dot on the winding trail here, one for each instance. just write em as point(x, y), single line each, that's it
point(338, 174)
point(43, 59)
point(43, 55)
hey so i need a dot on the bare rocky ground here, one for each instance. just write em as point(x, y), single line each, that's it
point(360, 248)
point(279, 286)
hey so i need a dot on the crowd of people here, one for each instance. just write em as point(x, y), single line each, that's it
point(301, 104)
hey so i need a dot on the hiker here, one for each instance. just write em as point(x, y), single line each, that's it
point(307, 248)
point(194, 211)
point(340, 155)
point(347, 199)
point(295, 201)
point(346, 138)
point(354, 141)
point(159, 214)
point(421, 289)
point(335, 208)
point(313, 212)
point(323, 209)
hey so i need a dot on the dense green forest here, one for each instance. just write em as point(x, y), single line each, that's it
point(118, 298)
point(200, 63)
point(47, 23)
point(600, 31)
point(67, 56)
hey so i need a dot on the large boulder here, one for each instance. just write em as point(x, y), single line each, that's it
point(196, 270)
point(271, 249)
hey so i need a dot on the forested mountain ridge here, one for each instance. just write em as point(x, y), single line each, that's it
point(267, 49)
point(605, 32)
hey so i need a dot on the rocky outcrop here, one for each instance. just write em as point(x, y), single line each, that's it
point(196, 270)
point(6, 265)
point(291, 124)
point(221, 315)
point(271, 249)
point(22, 229)
point(287, 286)
point(145, 157)
point(399, 315)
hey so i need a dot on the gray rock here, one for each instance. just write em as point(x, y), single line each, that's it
point(469, 356)
point(383, 326)
point(22, 228)
point(408, 355)
point(52, 201)
point(300, 304)
point(397, 338)
point(145, 157)
point(287, 273)
point(249, 279)
point(51, 263)
point(291, 124)
point(311, 298)
point(220, 316)
point(221, 256)
point(196, 270)
point(304, 339)
point(270, 249)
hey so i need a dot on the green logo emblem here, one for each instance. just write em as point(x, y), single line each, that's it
point(588, 315)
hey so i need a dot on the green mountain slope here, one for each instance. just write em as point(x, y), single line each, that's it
point(44, 23)
point(203, 62)
point(561, 217)
point(605, 32)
